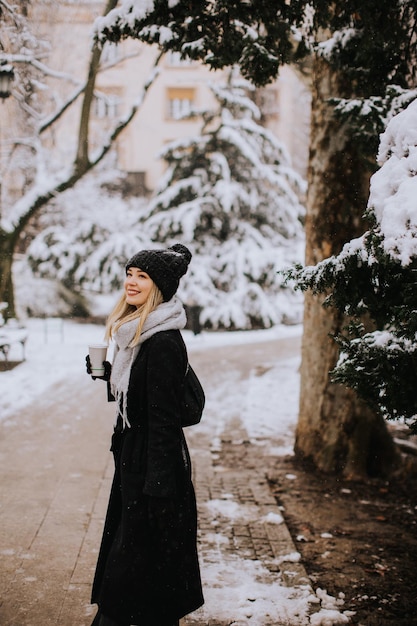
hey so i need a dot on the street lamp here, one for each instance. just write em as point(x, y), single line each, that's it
point(6, 77)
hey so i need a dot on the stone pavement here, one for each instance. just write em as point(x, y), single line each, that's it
point(239, 479)
point(56, 474)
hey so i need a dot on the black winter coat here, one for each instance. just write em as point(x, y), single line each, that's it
point(147, 570)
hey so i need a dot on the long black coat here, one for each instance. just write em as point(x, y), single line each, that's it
point(147, 571)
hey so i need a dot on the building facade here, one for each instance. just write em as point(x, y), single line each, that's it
point(125, 70)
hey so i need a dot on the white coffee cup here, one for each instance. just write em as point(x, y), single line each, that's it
point(98, 353)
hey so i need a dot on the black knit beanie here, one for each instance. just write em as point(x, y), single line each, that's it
point(165, 267)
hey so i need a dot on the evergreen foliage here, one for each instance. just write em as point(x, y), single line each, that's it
point(254, 34)
point(231, 195)
point(87, 236)
point(368, 117)
point(370, 40)
point(371, 44)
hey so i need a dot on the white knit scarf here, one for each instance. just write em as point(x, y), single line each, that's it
point(167, 316)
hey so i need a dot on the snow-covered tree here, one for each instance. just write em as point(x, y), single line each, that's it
point(87, 234)
point(375, 276)
point(254, 34)
point(26, 150)
point(357, 49)
point(231, 194)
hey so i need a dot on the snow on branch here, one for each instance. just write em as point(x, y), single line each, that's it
point(393, 189)
point(49, 186)
point(46, 70)
point(339, 40)
point(125, 16)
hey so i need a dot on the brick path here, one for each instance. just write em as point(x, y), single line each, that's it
point(250, 536)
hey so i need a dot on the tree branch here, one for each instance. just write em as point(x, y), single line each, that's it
point(82, 157)
point(13, 15)
point(28, 206)
point(47, 122)
point(45, 69)
point(123, 123)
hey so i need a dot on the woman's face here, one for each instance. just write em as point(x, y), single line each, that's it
point(137, 286)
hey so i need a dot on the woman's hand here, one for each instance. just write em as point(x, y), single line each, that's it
point(107, 369)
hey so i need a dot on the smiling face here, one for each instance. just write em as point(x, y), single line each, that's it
point(137, 285)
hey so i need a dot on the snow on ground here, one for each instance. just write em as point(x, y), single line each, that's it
point(55, 351)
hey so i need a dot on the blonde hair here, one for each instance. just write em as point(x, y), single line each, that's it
point(124, 312)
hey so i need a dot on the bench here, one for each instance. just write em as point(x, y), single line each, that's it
point(9, 336)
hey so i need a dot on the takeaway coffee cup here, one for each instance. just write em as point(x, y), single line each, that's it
point(98, 353)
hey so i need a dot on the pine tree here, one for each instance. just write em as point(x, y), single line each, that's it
point(357, 50)
point(87, 236)
point(231, 194)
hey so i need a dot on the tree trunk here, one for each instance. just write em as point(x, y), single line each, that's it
point(82, 158)
point(335, 430)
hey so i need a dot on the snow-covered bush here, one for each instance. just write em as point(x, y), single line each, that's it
point(231, 195)
point(45, 297)
point(374, 281)
point(92, 234)
point(368, 117)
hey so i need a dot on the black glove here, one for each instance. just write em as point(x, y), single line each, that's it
point(107, 369)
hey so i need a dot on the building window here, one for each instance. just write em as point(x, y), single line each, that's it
point(106, 106)
point(180, 102)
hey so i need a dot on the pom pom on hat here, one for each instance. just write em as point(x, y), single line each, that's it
point(165, 267)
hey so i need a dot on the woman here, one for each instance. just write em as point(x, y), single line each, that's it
point(147, 571)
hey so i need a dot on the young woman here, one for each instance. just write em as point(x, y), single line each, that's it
point(147, 571)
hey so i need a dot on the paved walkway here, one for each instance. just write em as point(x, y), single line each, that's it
point(56, 474)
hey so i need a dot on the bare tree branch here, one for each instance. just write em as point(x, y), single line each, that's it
point(82, 158)
point(123, 123)
point(49, 121)
point(11, 11)
point(48, 184)
point(42, 193)
point(45, 69)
